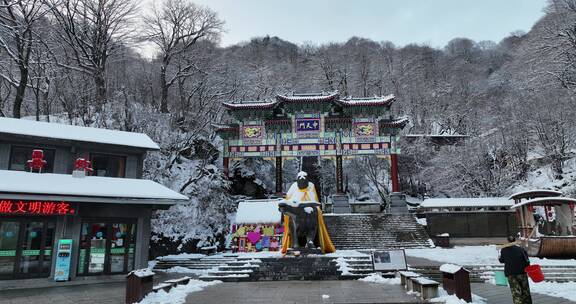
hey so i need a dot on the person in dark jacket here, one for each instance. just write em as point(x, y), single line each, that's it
point(515, 260)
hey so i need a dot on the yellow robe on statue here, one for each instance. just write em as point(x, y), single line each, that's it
point(306, 195)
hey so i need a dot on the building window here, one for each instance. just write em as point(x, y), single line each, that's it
point(108, 165)
point(20, 155)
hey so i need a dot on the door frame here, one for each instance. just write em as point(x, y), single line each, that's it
point(22, 222)
point(107, 264)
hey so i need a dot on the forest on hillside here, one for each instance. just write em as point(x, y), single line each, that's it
point(78, 61)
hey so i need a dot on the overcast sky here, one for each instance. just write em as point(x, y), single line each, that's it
point(433, 22)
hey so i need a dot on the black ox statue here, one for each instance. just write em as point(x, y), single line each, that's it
point(303, 223)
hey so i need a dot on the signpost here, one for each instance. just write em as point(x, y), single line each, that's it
point(389, 260)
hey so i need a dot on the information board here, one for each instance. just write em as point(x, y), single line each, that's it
point(389, 260)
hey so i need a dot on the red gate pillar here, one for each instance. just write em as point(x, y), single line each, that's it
point(394, 172)
point(225, 166)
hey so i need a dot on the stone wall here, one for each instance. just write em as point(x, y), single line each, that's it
point(472, 224)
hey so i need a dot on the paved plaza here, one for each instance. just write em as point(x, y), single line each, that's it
point(111, 290)
point(292, 292)
point(282, 292)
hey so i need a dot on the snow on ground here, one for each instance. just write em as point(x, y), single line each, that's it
point(488, 255)
point(346, 253)
point(443, 297)
point(254, 255)
point(565, 290)
point(176, 295)
point(474, 255)
point(152, 264)
point(180, 269)
point(543, 178)
point(377, 278)
point(257, 255)
point(181, 256)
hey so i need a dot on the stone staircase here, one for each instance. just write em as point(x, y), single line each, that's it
point(197, 264)
point(375, 231)
point(236, 268)
point(481, 274)
point(354, 267)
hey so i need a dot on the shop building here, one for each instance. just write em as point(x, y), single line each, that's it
point(106, 215)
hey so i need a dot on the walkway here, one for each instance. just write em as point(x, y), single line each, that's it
point(87, 290)
point(492, 293)
point(301, 292)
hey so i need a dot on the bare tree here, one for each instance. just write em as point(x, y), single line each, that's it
point(175, 27)
point(18, 20)
point(93, 31)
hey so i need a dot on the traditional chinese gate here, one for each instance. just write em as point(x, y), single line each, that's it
point(322, 125)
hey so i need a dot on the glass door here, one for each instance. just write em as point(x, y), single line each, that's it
point(35, 249)
point(106, 247)
point(119, 245)
point(26, 247)
point(9, 233)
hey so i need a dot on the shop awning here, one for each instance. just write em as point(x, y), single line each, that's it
point(95, 189)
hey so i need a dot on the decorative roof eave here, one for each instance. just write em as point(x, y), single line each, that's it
point(250, 105)
point(278, 122)
point(396, 123)
point(546, 201)
point(299, 98)
point(230, 129)
point(222, 128)
point(535, 194)
point(338, 120)
point(362, 102)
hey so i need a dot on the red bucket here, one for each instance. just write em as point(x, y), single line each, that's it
point(535, 273)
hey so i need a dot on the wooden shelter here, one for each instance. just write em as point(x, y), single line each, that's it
point(546, 222)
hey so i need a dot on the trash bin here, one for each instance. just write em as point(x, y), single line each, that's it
point(456, 280)
point(138, 284)
point(442, 240)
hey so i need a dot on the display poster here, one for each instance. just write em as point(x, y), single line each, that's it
point(97, 255)
point(389, 260)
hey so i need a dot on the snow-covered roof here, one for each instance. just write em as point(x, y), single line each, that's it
point(535, 193)
point(466, 202)
point(315, 97)
point(97, 188)
point(258, 212)
point(450, 268)
point(542, 201)
point(395, 123)
point(75, 133)
point(247, 105)
point(370, 101)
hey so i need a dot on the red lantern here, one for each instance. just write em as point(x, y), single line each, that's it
point(37, 162)
point(83, 165)
point(571, 205)
point(530, 208)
